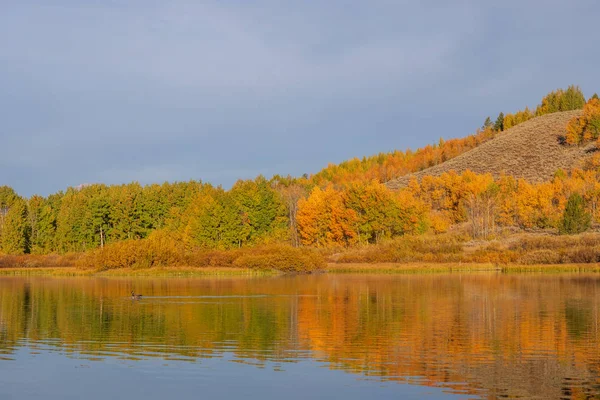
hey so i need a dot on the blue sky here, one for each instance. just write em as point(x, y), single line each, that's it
point(120, 91)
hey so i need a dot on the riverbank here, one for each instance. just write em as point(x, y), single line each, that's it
point(332, 268)
point(431, 268)
point(516, 252)
point(129, 272)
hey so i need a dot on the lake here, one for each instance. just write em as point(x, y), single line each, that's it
point(432, 336)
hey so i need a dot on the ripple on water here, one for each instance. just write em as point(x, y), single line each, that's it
point(516, 336)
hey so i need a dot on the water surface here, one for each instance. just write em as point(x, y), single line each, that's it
point(323, 336)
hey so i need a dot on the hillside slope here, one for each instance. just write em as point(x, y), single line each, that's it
point(531, 150)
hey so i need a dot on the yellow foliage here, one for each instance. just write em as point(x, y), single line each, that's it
point(324, 221)
point(586, 127)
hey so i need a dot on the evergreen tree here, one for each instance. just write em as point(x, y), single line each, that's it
point(595, 96)
point(575, 218)
point(499, 125)
point(487, 123)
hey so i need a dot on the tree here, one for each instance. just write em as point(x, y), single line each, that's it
point(207, 220)
point(561, 100)
point(499, 125)
point(482, 207)
point(509, 121)
point(42, 224)
point(575, 218)
point(260, 210)
point(572, 99)
point(15, 234)
point(291, 193)
point(324, 221)
point(585, 127)
point(487, 124)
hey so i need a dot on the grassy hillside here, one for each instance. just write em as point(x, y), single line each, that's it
point(533, 150)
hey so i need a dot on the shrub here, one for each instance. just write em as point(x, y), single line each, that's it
point(281, 258)
point(430, 248)
point(575, 218)
point(158, 250)
point(39, 261)
point(581, 255)
point(161, 250)
point(540, 257)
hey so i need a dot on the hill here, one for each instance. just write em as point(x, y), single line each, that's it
point(533, 150)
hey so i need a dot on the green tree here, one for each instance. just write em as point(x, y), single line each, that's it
point(8, 197)
point(499, 125)
point(575, 218)
point(561, 100)
point(572, 99)
point(595, 96)
point(260, 210)
point(15, 234)
point(487, 123)
point(379, 213)
point(42, 224)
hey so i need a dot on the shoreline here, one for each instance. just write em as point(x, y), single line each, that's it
point(182, 272)
point(429, 268)
point(332, 268)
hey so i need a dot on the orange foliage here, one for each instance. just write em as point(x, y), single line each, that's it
point(324, 221)
point(586, 127)
point(384, 167)
point(163, 249)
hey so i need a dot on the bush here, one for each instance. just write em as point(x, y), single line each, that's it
point(581, 255)
point(575, 218)
point(281, 258)
point(161, 250)
point(158, 250)
point(540, 257)
point(429, 248)
point(39, 261)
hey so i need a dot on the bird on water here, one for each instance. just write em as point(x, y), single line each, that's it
point(135, 296)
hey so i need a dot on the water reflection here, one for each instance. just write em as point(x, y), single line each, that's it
point(488, 335)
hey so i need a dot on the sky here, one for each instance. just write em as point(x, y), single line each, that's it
point(107, 91)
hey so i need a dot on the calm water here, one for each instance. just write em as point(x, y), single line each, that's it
point(325, 336)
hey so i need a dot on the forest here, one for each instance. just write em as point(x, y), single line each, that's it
point(344, 206)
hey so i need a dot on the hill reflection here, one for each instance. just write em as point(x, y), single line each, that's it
point(492, 335)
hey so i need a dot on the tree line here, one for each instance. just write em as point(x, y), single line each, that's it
point(344, 205)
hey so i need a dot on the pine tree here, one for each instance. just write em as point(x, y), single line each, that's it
point(487, 123)
point(575, 218)
point(499, 125)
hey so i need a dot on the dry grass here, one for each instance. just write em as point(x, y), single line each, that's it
point(167, 253)
point(42, 271)
point(129, 272)
point(408, 268)
point(531, 150)
point(521, 250)
point(427, 268)
point(39, 261)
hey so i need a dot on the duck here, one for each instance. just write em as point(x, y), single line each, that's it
point(135, 296)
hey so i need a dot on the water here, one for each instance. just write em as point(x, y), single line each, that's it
point(323, 336)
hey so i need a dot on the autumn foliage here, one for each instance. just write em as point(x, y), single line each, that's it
point(260, 223)
point(161, 249)
point(586, 127)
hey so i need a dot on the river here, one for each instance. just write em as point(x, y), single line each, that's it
point(480, 335)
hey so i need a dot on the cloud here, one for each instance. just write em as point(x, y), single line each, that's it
point(172, 90)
